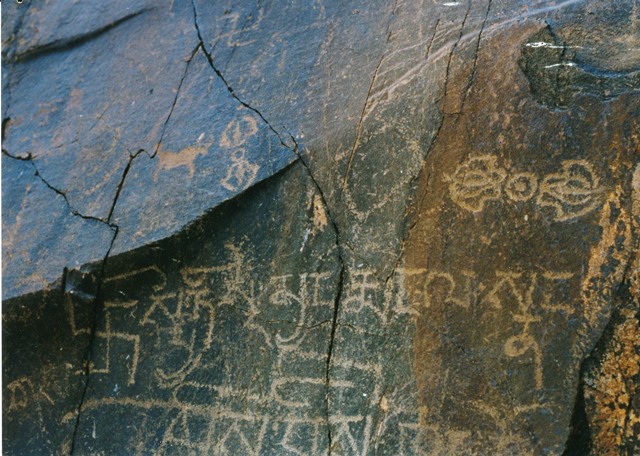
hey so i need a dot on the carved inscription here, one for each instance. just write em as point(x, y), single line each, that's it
point(171, 336)
point(241, 173)
point(22, 392)
point(572, 192)
point(524, 299)
point(477, 181)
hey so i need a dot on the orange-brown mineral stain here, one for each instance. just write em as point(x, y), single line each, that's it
point(612, 410)
point(461, 351)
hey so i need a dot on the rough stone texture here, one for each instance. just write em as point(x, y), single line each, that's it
point(535, 214)
point(321, 228)
point(607, 411)
point(132, 93)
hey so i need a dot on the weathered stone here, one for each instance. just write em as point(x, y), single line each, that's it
point(519, 247)
point(45, 339)
point(84, 113)
point(34, 254)
point(326, 228)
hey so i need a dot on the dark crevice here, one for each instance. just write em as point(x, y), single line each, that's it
point(453, 50)
point(339, 288)
point(98, 302)
point(8, 154)
point(357, 330)
point(432, 143)
point(97, 306)
point(121, 184)
point(413, 180)
point(356, 141)
point(175, 99)
point(71, 42)
point(75, 212)
point(433, 37)
point(294, 324)
point(228, 86)
point(472, 77)
point(580, 441)
point(5, 124)
point(334, 325)
point(66, 200)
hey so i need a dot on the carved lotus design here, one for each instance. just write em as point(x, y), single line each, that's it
point(521, 186)
point(477, 181)
point(571, 193)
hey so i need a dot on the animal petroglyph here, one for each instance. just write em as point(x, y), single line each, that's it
point(238, 26)
point(186, 157)
point(571, 193)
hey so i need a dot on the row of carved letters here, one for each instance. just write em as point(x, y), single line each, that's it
point(186, 319)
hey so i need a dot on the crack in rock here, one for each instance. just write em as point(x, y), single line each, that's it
point(228, 86)
point(339, 289)
point(73, 41)
point(175, 99)
point(98, 302)
point(29, 159)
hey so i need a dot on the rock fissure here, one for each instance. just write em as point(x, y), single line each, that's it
point(580, 439)
point(125, 172)
point(98, 307)
point(75, 212)
point(407, 212)
point(295, 325)
point(338, 293)
point(175, 99)
point(433, 37)
point(235, 281)
point(98, 302)
point(5, 124)
point(334, 326)
point(356, 141)
point(450, 58)
point(227, 85)
point(474, 68)
point(73, 41)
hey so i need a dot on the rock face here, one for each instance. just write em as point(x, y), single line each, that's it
point(321, 228)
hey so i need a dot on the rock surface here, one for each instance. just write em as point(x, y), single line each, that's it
point(321, 228)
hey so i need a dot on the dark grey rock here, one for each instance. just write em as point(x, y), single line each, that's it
point(35, 254)
point(317, 228)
